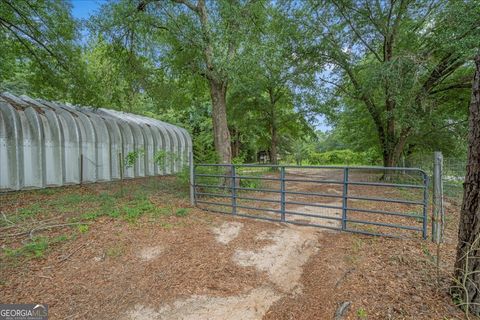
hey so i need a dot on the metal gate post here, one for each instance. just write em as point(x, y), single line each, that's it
point(437, 204)
point(234, 189)
point(345, 200)
point(282, 194)
point(192, 179)
point(425, 205)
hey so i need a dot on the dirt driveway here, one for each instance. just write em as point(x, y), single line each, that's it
point(175, 262)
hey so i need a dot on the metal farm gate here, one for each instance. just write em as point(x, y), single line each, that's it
point(369, 200)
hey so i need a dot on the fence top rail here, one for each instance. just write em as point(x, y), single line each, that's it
point(253, 165)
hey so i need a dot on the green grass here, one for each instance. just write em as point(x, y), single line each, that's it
point(130, 210)
point(82, 228)
point(182, 212)
point(133, 210)
point(21, 215)
point(90, 216)
point(29, 211)
point(115, 213)
point(85, 206)
point(362, 313)
point(36, 248)
point(72, 199)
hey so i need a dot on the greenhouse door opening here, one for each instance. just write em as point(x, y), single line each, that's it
point(379, 201)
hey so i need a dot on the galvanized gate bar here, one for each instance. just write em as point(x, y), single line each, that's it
point(213, 194)
point(316, 225)
point(406, 215)
point(385, 200)
point(374, 184)
point(314, 194)
point(258, 178)
point(259, 190)
point(312, 215)
point(257, 199)
point(314, 205)
point(223, 204)
point(234, 186)
point(315, 181)
point(385, 225)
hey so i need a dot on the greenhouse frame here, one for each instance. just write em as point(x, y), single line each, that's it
point(46, 144)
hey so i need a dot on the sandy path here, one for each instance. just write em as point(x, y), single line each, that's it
point(227, 231)
point(248, 306)
point(282, 255)
point(283, 258)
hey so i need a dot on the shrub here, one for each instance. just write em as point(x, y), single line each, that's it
point(342, 157)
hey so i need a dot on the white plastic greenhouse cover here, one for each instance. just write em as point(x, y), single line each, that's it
point(46, 144)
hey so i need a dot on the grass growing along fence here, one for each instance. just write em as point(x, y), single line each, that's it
point(72, 211)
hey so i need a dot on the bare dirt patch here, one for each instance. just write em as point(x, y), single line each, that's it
point(150, 253)
point(283, 259)
point(227, 231)
point(281, 255)
point(249, 306)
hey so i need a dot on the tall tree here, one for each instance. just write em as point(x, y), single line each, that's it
point(40, 53)
point(200, 38)
point(393, 61)
point(467, 266)
point(215, 71)
point(274, 73)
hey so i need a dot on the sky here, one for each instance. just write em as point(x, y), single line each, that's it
point(83, 9)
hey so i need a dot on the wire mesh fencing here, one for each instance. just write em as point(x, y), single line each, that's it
point(454, 170)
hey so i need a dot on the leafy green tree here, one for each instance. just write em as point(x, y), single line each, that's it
point(39, 50)
point(118, 78)
point(199, 39)
point(391, 65)
point(272, 74)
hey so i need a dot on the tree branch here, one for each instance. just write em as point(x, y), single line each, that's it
point(25, 44)
point(465, 85)
point(190, 5)
point(354, 29)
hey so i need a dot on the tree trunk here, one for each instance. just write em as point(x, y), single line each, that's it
point(273, 146)
point(467, 267)
point(388, 160)
point(235, 145)
point(393, 148)
point(273, 128)
point(218, 93)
